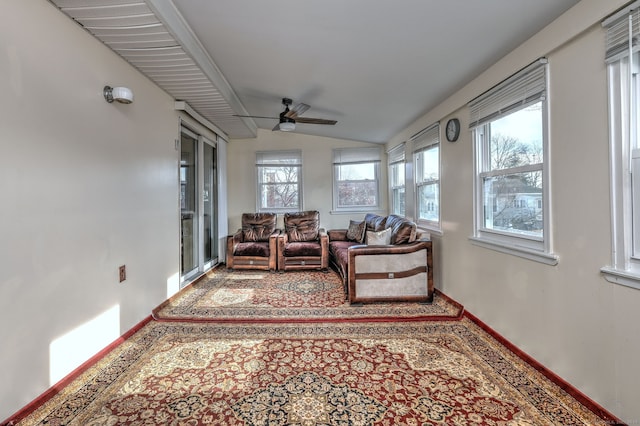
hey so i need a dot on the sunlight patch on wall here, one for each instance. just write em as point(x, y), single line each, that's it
point(69, 351)
point(173, 284)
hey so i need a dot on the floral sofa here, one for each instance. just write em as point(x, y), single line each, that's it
point(383, 258)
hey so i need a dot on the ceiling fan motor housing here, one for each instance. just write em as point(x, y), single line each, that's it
point(283, 119)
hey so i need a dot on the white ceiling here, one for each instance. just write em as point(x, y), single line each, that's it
point(374, 66)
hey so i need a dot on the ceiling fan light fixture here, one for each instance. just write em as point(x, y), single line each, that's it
point(287, 126)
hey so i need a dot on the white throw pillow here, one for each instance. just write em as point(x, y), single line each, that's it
point(379, 238)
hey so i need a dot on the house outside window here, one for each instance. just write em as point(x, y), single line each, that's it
point(623, 69)
point(426, 159)
point(510, 146)
point(356, 179)
point(279, 178)
point(395, 158)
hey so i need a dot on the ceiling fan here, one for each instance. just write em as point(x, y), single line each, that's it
point(289, 117)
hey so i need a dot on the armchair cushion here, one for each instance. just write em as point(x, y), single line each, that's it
point(254, 248)
point(303, 248)
point(258, 226)
point(302, 226)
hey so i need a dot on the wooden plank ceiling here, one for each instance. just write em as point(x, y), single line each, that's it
point(181, 67)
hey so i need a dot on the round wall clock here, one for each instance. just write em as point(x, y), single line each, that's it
point(453, 129)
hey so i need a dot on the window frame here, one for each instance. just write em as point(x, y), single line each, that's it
point(354, 156)
point(486, 109)
point(426, 140)
point(397, 160)
point(623, 85)
point(274, 159)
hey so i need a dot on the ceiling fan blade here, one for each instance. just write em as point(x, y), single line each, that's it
point(297, 110)
point(276, 128)
point(256, 116)
point(309, 120)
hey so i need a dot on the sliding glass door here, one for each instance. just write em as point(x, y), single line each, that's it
point(188, 204)
point(198, 205)
point(209, 198)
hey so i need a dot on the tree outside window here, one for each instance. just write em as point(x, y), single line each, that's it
point(279, 181)
point(512, 184)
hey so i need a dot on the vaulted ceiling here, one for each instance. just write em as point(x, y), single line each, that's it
point(374, 66)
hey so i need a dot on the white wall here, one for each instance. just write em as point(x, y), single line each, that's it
point(86, 186)
point(317, 172)
point(568, 316)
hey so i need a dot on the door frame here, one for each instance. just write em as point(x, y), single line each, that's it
point(201, 265)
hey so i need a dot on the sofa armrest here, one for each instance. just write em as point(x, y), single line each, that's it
point(391, 272)
point(273, 249)
point(389, 248)
point(337, 235)
point(282, 240)
point(324, 245)
point(232, 242)
point(275, 234)
point(273, 241)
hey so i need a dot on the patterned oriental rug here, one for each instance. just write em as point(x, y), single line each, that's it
point(300, 296)
point(312, 374)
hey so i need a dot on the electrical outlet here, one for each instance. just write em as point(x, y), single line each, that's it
point(123, 273)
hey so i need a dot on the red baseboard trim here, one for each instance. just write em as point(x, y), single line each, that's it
point(56, 388)
point(608, 417)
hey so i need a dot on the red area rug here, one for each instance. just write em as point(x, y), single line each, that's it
point(299, 296)
point(381, 373)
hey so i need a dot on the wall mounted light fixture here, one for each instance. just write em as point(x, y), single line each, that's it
point(124, 95)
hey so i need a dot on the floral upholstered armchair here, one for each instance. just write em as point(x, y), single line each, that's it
point(254, 246)
point(303, 244)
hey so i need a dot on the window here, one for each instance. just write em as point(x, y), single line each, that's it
point(510, 144)
point(396, 179)
point(623, 66)
point(279, 180)
point(356, 179)
point(426, 159)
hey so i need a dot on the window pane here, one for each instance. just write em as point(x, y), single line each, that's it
point(429, 202)
point(398, 201)
point(279, 174)
point(279, 187)
point(428, 164)
point(280, 196)
point(357, 194)
point(366, 171)
point(513, 203)
point(396, 173)
point(516, 140)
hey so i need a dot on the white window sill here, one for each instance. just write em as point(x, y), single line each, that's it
point(526, 253)
point(621, 277)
